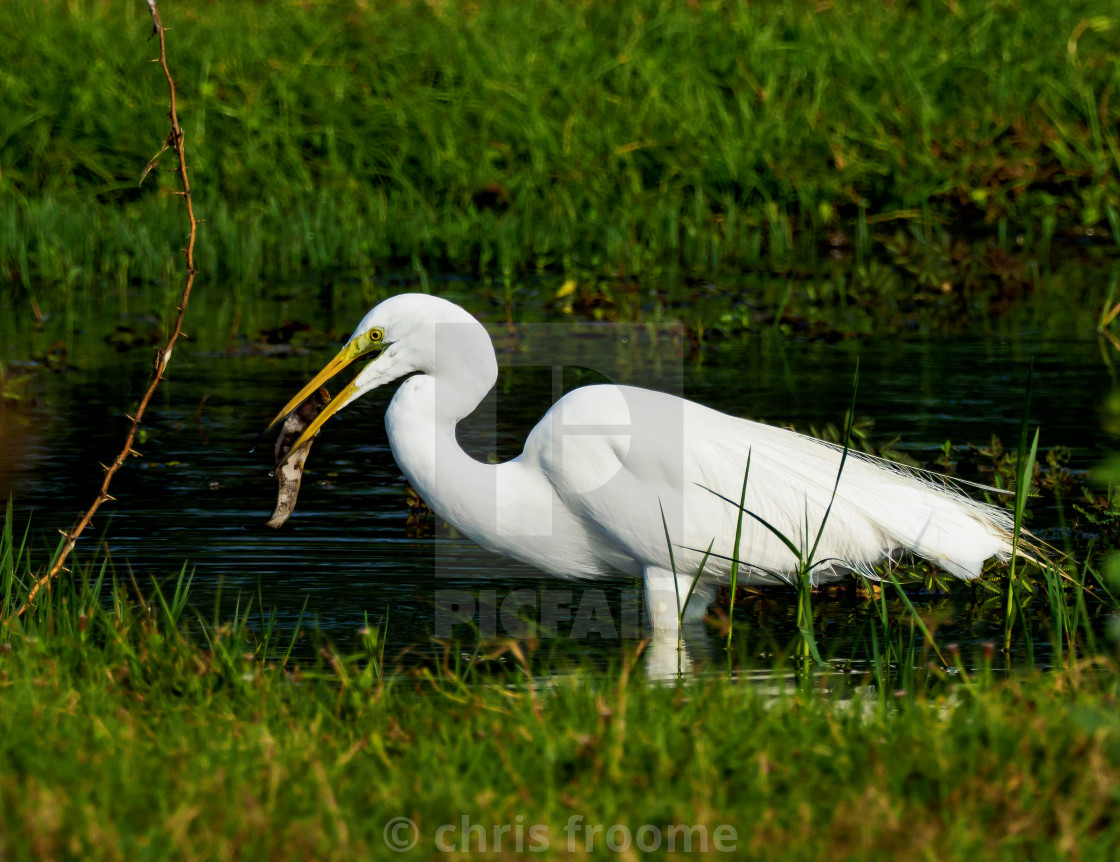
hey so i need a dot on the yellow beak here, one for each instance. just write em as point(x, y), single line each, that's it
point(346, 356)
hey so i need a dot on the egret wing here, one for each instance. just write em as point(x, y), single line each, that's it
point(620, 456)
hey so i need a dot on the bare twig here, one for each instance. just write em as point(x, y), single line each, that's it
point(173, 141)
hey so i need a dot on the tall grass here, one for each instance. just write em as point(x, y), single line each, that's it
point(589, 138)
point(803, 553)
point(1024, 472)
point(131, 722)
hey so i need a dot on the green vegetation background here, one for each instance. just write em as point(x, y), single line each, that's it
point(500, 136)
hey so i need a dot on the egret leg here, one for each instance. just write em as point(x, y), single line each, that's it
point(662, 589)
point(664, 659)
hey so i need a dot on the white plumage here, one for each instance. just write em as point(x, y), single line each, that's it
point(586, 495)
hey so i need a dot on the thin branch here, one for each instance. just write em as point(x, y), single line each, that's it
point(173, 141)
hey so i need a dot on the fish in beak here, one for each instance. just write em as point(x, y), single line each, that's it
point(355, 349)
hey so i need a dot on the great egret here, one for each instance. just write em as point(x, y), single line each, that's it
point(610, 470)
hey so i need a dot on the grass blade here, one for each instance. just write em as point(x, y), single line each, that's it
point(735, 549)
point(1023, 473)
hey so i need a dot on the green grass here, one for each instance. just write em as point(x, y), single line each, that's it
point(123, 736)
point(501, 138)
point(134, 727)
point(593, 138)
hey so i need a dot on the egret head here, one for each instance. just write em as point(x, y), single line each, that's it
point(412, 333)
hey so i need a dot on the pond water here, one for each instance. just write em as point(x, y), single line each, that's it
point(198, 496)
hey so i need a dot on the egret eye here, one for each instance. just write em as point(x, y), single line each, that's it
point(375, 336)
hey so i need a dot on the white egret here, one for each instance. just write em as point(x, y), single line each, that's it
point(607, 463)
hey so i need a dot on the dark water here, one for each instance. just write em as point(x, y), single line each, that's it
point(198, 497)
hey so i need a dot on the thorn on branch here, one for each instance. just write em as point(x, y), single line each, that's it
point(152, 161)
